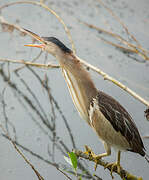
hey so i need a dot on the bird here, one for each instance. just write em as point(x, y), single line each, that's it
point(108, 118)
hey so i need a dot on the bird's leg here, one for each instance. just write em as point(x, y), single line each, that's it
point(99, 156)
point(116, 164)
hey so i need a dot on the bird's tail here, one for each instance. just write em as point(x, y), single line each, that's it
point(147, 157)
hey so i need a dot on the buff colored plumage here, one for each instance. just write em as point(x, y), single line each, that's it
point(112, 123)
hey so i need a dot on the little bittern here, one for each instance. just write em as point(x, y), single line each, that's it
point(112, 123)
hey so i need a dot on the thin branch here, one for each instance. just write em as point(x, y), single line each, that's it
point(133, 48)
point(41, 109)
point(64, 173)
point(106, 76)
point(7, 122)
point(30, 63)
point(124, 49)
point(60, 145)
point(41, 4)
point(56, 165)
point(118, 20)
point(144, 51)
point(33, 60)
point(123, 173)
point(57, 107)
point(109, 78)
point(10, 26)
point(26, 160)
point(53, 117)
point(26, 99)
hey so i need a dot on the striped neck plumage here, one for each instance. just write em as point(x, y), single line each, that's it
point(80, 85)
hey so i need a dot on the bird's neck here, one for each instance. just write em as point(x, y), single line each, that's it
point(80, 85)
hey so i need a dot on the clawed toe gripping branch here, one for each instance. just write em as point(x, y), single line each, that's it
point(112, 167)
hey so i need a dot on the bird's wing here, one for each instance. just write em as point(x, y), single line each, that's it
point(121, 121)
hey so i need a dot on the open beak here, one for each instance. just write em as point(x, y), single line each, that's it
point(35, 36)
point(36, 45)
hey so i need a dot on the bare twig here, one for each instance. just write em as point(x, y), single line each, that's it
point(56, 165)
point(41, 4)
point(109, 78)
point(26, 160)
point(122, 48)
point(10, 26)
point(144, 51)
point(33, 60)
point(41, 109)
point(57, 107)
point(53, 117)
point(106, 76)
point(7, 122)
point(64, 173)
point(118, 20)
point(15, 143)
point(132, 48)
point(25, 100)
point(29, 63)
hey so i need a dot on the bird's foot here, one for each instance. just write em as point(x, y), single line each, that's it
point(113, 166)
point(96, 159)
point(93, 156)
point(88, 150)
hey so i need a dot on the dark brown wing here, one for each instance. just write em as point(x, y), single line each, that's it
point(121, 121)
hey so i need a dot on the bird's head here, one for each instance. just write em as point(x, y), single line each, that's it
point(50, 44)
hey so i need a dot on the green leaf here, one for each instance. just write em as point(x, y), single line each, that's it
point(73, 159)
point(80, 178)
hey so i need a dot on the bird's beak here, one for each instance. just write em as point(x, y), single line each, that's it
point(36, 45)
point(35, 36)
